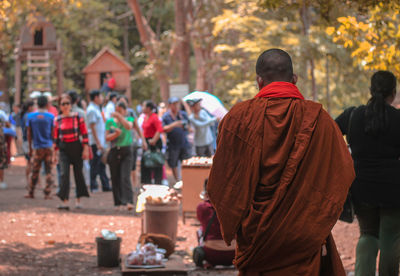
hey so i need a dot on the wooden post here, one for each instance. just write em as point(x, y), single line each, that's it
point(60, 75)
point(18, 97)
point(128, 92)
point(60, 69)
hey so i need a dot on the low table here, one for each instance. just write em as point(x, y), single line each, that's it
point(173, 267)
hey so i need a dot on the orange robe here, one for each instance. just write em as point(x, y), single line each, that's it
point(278, 183)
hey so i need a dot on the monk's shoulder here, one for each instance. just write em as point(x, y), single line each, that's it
point(245, 108)
point(324, 119)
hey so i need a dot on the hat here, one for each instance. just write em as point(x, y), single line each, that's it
point(192, 102)
point(173, 100)
point(47, 94)
point(35, 94)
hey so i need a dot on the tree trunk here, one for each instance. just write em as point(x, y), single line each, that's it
point(164, 87)
point(328, 92)
point(148, 39)
point(313, 82)
point(306, 22)
point(126, 39)
point(183, 41)
point(201, 74)
point(3, 80)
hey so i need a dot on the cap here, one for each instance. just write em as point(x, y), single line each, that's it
point(35, 94)
point(47, 94)
point(192, 102)
point(173, 100)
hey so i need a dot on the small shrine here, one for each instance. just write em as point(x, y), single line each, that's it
point(107, 61)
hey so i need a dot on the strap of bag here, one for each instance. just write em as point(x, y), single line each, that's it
point(209, 225)
point(349, 126)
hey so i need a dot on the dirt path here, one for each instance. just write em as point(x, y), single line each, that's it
point(37, 239)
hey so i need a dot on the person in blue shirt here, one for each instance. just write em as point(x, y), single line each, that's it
point(175, 124)
point(40, 138)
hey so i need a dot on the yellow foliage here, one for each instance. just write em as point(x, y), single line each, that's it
point(223, 47)
point(223, 21)
point(250, 46)
point(364, 27)
point(243, 91)
point(330, 30)
point(348, 44)
point(375, 40)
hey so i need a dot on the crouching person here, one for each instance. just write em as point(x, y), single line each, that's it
point(212, 249)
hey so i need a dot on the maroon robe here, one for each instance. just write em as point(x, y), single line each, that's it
point(278, 183)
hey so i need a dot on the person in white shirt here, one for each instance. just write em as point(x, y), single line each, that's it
point(110, 106)
point(202, 122)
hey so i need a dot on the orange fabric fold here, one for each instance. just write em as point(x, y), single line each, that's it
point(278, 182)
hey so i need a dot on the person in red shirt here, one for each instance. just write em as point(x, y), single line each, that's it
point(215, 249)
point(152, 129)
point(110, 82)
point(71, 141)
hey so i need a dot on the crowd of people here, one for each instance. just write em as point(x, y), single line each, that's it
point(103, 139)
point(280, 175)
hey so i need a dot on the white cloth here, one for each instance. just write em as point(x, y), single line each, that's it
point(108, 109)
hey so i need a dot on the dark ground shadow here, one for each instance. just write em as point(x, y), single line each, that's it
point(56, 259)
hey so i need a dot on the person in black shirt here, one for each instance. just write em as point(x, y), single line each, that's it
point(373, 133)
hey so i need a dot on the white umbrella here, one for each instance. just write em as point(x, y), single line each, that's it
point(209, 102)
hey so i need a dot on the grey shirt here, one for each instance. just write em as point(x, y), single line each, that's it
point(93, 114)
point(202, 124)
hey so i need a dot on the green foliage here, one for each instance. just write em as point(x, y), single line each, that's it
point(354, 37)
point(84, 31)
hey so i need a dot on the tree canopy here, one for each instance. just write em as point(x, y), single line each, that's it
point(213, 44)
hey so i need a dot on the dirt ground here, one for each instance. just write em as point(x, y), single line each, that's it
point(38, 239)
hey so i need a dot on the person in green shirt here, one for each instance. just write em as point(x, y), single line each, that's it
point(118, 132)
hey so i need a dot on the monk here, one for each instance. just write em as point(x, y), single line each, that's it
point(280, 176)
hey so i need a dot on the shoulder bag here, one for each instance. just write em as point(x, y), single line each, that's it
point(347, 214)
point(153, 159)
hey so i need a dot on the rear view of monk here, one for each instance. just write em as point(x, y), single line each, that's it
point(280, 176)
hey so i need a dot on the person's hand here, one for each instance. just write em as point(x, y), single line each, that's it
point(152, 142)
point(99, 147)
point(30, 153)
point(144, 145)
point(55, 157)
point(178, 123)
point(85, 152)
point(118, 131)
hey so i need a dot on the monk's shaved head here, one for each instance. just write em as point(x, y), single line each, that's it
point(275, 65)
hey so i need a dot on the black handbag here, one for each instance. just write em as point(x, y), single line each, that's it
point(153, 159)
point(199, 255)
point(347, 214)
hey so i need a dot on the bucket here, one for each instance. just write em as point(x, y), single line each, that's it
point(161, 219)
point(108, 252)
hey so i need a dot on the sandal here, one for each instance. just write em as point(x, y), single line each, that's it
point(129, 207)
point(48, 197)
point(63, 207)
